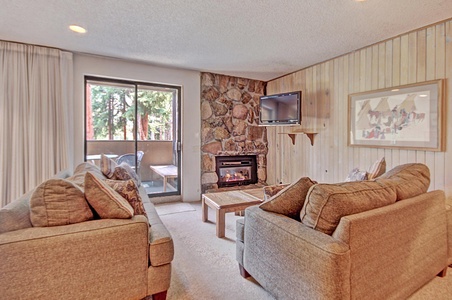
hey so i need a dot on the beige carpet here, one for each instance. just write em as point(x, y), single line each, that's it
point(173, 208)
point(204, 266)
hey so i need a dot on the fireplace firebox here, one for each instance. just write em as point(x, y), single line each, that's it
point(236, 170)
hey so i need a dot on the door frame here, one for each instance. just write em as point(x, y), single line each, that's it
point(177, 118)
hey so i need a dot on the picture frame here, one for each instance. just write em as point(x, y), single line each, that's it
point(403, 117)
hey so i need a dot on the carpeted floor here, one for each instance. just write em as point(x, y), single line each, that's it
point(204, 266)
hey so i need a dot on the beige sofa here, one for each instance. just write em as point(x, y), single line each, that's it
point(96, 259)
point(384, 253)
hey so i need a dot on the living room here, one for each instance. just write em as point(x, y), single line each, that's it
point(420, 54)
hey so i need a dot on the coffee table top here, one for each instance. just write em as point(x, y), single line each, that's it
point(235, 198)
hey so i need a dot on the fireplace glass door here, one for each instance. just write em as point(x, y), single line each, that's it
point(236, 170)
point(234, 174)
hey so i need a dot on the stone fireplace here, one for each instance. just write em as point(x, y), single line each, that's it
point(229, 125)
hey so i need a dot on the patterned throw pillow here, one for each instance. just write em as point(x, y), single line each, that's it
point(107, 166)
point(106, 202)
point(120, 173)
point(129, 191)
point(131, 172)
point(377, 169)
point(58, 202)
point(271, 190)
point(356, 175)
point(290, 200)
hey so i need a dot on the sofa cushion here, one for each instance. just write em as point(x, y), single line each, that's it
point(79, 173)
point(16, 215)
point(129, 191)
point(290, 200)
point(409, 180)
point(326, 204)
point(377, 169)
point(107, 166)
point(58, 202)
point(107, 203)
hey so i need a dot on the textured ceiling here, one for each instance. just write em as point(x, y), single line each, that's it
point(259, 39)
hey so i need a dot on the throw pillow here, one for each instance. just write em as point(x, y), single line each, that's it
point(16, 215)
point(356, 175)
point(87, 166)
point(79, 173)
point(106, 202)
point(107, 166)
point(120, 173)
point(326, 204)
point(131, 172)
point(290, 200)
point(129, 191)
point(377, 169)
point(271, 190)
point(409, 180)
point(58, 202)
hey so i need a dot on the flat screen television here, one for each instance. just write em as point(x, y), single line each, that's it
point(280, 109)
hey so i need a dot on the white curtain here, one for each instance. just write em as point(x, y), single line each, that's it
point(35, 99)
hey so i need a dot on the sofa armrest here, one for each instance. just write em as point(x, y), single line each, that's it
point(449, 232)
point(161, 248)
point(407, 237)
point(310, 262)
point(94, 259)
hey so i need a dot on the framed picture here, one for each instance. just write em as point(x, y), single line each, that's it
point(407, 117)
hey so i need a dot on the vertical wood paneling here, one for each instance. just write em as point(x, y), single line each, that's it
point(394, 158)
point(363, 152)
point(440, 172)
point(448, 64)
point(411, 78)
point(425, 54)
point(337, 159)
point(387, 153)
point(344, 95)
point(430, 75)
point(420, 75)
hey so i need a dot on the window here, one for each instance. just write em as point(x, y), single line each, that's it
point(137, 123)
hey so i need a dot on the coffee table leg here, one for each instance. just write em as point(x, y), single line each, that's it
point(220, 222)
point(204, 209)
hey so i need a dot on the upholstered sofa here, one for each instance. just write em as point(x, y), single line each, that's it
point(96, 259)
point(386, 252)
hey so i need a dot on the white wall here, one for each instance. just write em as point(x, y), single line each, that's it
point(121, 69)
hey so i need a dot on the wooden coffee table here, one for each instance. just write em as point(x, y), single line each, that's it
point(231, 201)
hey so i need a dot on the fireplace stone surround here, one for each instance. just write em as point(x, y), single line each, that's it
point(229, 124)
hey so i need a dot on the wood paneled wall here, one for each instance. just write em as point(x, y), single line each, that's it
point(421, 55)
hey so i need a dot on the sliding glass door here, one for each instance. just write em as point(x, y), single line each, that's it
point(136, 123)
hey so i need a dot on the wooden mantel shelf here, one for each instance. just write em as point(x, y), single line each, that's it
point(294, 133)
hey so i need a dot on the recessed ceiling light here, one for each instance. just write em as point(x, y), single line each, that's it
point(423, 95)
point(395, 90)
point(77, 29)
